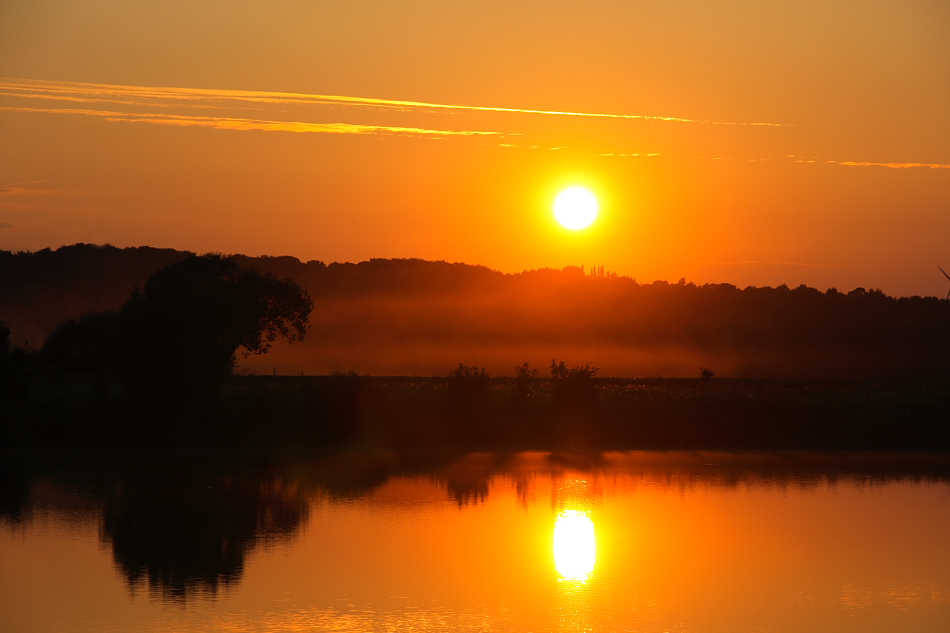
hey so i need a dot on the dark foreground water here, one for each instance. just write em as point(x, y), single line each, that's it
point(651, 542)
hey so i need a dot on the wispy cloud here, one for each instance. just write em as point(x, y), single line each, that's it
point(633, 155)
point(24, 182)
point(230, 123)
point(816, 159)
point(896, 165)
point(21, 188)
point(202, 97)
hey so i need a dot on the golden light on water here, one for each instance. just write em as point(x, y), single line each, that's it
point(575, 548)
point(575, 208)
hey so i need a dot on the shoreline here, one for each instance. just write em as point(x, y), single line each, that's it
point(507, 414)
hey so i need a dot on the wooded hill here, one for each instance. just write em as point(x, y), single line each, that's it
point(409, 316)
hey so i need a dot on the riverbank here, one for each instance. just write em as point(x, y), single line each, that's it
point(493, 414)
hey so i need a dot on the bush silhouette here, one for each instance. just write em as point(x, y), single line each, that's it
point(466, 406)
point(573, 385)
point(468, 381)
point(524, 372)
point(577, 373)
point(525, 379)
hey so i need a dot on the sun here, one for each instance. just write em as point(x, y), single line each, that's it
point(575, 208)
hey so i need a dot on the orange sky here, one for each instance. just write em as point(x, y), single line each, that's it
point(149, 123)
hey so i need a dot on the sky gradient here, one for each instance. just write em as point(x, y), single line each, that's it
point(744, 142)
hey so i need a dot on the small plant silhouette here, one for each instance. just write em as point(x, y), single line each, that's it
point(705, 373)
point(525, 380)
point(560, 371)
point(464, 372)
point(525, 372)
point(573, 385)
point(468, 382)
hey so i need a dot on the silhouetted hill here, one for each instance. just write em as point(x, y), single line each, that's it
point(411, 316)
point(40, 290)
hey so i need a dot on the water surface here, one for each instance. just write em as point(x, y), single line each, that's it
point(651, 542)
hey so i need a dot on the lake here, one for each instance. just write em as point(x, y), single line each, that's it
point(358, 542)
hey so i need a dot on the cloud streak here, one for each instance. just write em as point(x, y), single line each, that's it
point(815, 159)
point(204, 97)
point(21, 189)
point(650, 155)
point(230, 123)
point(896, 165)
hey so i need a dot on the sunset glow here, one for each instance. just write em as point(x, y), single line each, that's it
point(446, 133)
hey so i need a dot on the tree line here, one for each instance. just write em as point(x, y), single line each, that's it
point(379, 309)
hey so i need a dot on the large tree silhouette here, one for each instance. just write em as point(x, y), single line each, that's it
point(185, 327)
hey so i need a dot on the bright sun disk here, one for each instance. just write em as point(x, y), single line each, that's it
point(575, 548)
point(575, 208)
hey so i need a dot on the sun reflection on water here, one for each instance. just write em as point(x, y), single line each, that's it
point(575, 548)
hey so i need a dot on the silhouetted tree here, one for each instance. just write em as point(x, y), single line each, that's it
point(86, 345)
point(14, 368)
point(706, 373)
point(5, 344)
point(185, 327)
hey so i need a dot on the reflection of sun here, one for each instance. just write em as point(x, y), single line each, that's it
point(574, 545)
point(575, 208)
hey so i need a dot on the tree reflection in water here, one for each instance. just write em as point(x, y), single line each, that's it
point(186, 532)
point(192, 535)
point(182, 527)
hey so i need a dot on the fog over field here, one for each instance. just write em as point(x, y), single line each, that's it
point(414, 317)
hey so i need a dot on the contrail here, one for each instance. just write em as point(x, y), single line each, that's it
point(132, 95)
point(228, 123)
